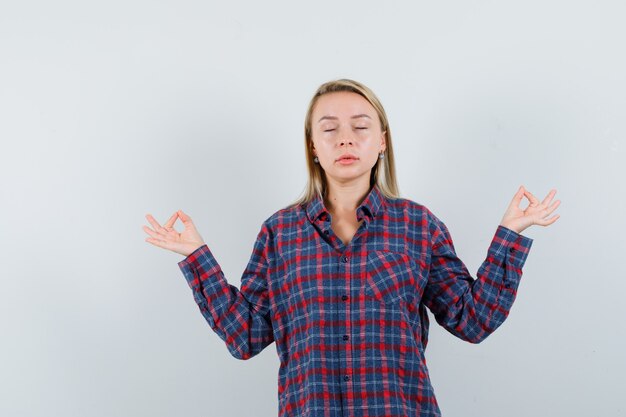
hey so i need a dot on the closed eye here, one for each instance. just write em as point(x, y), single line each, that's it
point(330, 130)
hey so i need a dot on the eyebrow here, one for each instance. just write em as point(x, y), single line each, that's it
point(356, 116)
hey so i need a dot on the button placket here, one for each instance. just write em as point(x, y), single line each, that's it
point(325, 219)
point(347, 356)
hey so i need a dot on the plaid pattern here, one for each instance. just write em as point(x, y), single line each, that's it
point(350, 322)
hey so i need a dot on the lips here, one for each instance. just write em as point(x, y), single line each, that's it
point(347, 156)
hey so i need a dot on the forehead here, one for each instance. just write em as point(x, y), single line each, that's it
point(342, 104)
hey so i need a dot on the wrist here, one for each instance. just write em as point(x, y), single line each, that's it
point(511, 227)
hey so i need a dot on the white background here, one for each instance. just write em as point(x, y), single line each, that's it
point(111, 110)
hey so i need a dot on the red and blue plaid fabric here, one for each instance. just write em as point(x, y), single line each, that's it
point(350, 322)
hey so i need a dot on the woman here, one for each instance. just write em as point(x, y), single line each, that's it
point(341, 279)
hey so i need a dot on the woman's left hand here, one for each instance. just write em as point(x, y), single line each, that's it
point(537, 212)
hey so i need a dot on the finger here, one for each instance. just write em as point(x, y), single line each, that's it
point(157, 227)
point(184, 217)
point(531, 197)
point(548, 222)
point(546, 211)
point(171, 221)
point(158, 242)
point(517, 198)
point(155, 235)
point(549, 197)
point(551, 208)
point(153, 222)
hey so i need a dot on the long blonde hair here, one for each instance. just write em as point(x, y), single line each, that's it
point(384, 177)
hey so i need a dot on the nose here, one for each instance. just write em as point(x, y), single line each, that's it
point(346, 137)
point(344, 141)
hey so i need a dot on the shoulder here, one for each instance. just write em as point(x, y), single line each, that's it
point(283, 218)
point(416, 213)
point(410, 207)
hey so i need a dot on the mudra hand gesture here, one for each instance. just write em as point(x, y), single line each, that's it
point(167, 237)
point(537, 212)
point(514, 218)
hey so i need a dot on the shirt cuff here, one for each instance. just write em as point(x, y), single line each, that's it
point(198, 266)
point(510, 245)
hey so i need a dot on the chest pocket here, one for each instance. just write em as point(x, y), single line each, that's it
point(391, 277)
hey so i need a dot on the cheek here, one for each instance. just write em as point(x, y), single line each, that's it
point(373, 152)
point(323, 147)
point(373, 159)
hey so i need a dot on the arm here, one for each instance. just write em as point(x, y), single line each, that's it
point(239, 317)
point(469, 308)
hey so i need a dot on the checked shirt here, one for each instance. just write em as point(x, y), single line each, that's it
point(350, 322)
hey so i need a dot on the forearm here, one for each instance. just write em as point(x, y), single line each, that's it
point(472, 309)
point(241, 324)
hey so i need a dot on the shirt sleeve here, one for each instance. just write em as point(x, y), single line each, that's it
point(241, 318)
point(470, 308)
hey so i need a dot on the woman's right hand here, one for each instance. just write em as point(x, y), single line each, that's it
point(167, 237)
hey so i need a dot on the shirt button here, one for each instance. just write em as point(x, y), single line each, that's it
point(511, 250)
point(326, 232)
point(345, 337)
point(344, 297)
point(344, 259)
point(346, 377)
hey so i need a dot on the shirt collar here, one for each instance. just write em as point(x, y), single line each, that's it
point(369, 208)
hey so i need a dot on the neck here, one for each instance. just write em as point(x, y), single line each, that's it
point(346, 197)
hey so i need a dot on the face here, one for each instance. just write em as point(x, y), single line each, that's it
point(346, 123)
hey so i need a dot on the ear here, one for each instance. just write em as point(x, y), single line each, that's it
point(383, 140)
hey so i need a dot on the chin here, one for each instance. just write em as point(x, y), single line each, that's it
point(349, 176)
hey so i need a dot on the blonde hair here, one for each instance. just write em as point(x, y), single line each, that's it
point(384, 177)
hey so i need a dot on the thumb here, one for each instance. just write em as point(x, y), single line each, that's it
point(517, 198)
point(184, 217)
